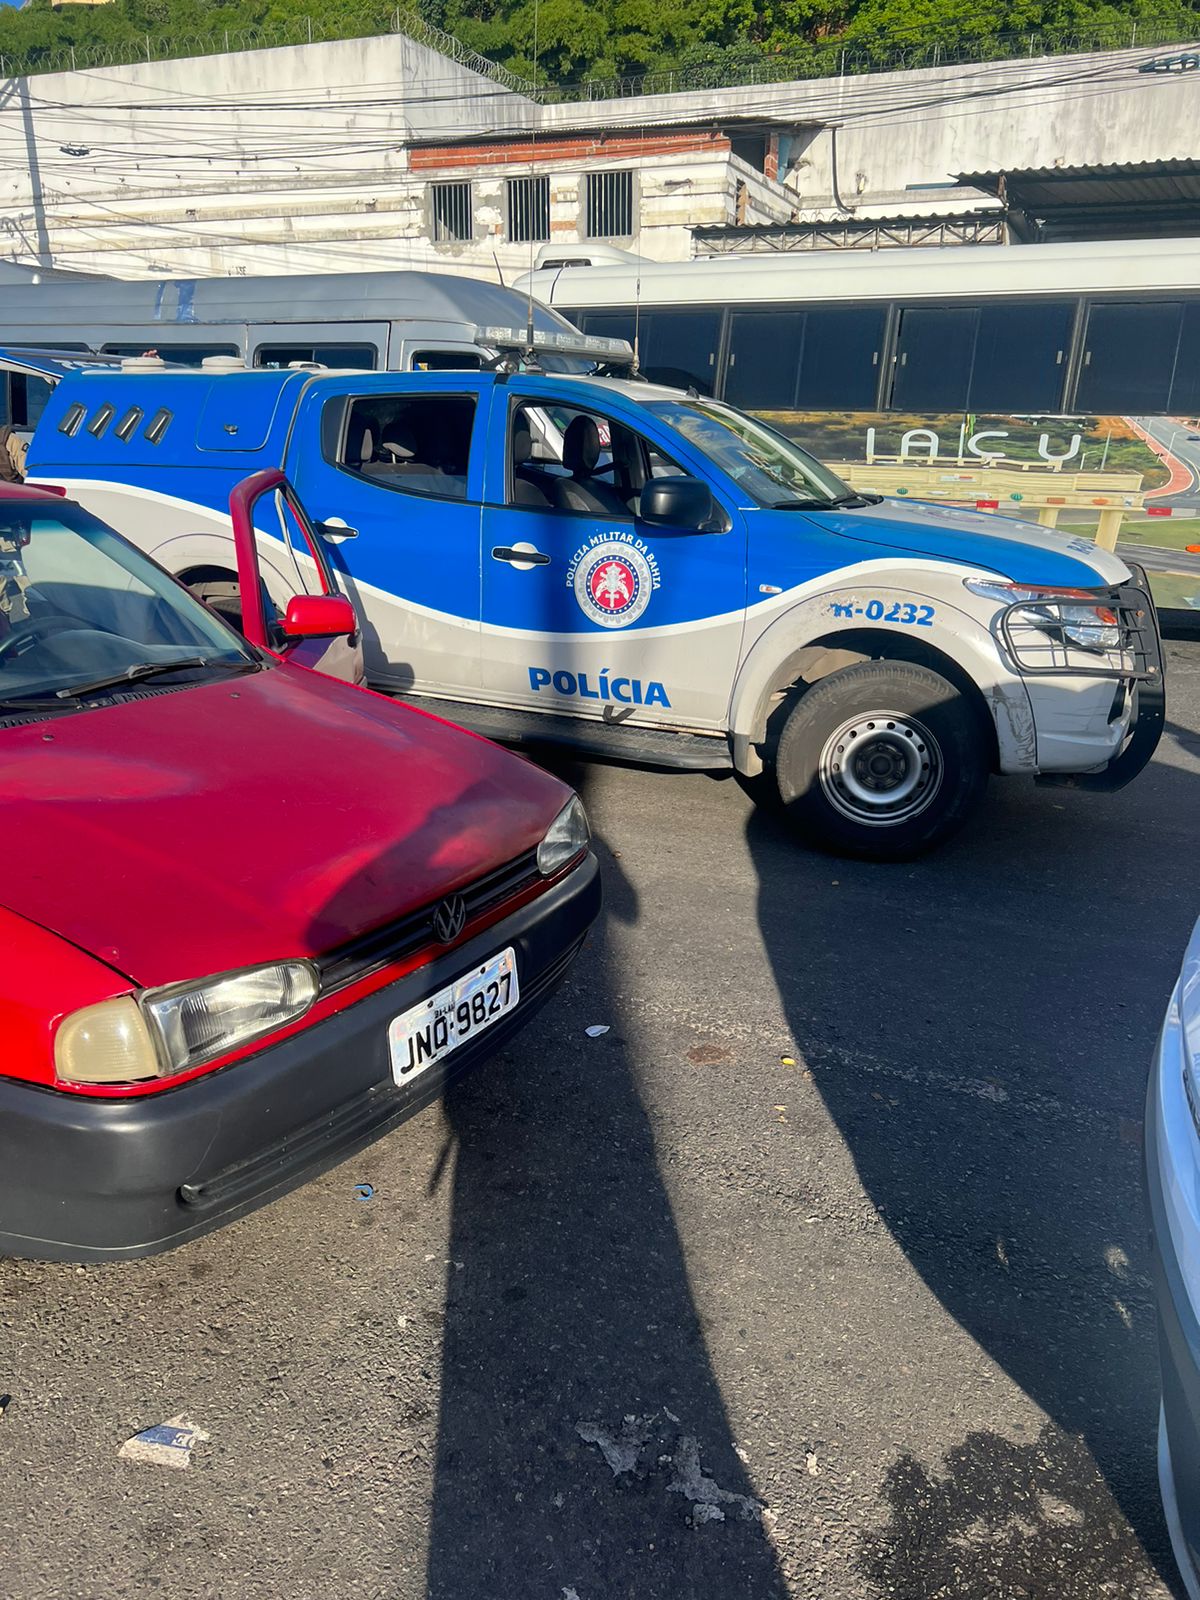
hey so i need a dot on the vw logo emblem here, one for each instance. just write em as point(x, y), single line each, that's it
point(450, 918)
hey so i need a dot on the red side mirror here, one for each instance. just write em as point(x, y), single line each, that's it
point(319, 616)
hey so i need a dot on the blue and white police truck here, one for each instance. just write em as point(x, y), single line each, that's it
point(643, 573)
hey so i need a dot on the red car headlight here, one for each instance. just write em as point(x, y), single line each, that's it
point(169, 1030)
point(566, 837)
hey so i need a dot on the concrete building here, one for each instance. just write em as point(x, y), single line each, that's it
point(385, 152)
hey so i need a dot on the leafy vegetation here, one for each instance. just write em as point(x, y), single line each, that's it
point(560, 42)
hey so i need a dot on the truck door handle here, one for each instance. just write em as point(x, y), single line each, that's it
point(335, 530)
point(527, 557)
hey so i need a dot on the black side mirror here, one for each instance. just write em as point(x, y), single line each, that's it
point(685, 504)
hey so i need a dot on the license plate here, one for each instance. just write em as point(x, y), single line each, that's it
point(431, 1030)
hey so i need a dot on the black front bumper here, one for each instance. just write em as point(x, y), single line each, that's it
point(1179, 1361)
point(84, 1179)
point(1142, 640)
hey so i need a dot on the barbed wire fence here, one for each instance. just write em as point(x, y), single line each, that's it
point(837, 59)
point(301, 30)
point(824, 59)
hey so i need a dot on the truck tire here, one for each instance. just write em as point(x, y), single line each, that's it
point(883, 759)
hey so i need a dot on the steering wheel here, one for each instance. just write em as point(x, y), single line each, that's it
point(34, 628)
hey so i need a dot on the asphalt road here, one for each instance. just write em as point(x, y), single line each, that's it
point(822, 1274)
point(1160, 558)
point(1176, 436)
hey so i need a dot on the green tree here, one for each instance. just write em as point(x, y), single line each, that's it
point(711, 40)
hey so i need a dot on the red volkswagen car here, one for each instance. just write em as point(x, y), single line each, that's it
point(251, 916)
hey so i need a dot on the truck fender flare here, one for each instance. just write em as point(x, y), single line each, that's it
point(184, 552)
point(808, 642)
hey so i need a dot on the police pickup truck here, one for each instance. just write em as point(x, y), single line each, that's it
point(642, 573)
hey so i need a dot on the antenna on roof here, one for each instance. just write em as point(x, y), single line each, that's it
point(532, 176)
point(637, 317)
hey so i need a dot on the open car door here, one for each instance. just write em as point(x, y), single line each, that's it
point(318, 628)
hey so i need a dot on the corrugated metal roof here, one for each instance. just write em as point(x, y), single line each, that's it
point(1141, 183)
point(1132, 199)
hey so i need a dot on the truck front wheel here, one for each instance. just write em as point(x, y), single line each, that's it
point(883, 759)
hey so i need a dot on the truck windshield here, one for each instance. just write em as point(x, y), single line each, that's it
point(769, 467)
point(81, 611)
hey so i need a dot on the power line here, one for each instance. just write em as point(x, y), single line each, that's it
point(163, 139)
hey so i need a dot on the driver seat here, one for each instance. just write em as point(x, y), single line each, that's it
point(582, 491)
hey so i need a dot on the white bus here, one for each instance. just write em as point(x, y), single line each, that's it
point(1105, 328)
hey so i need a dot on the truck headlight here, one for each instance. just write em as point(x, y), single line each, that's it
point(1090, 626)
point(566, 837)
point(166, 1031)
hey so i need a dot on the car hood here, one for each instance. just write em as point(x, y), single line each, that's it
point(1022, 552)
point(270, 815)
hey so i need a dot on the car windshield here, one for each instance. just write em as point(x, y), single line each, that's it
point(770, 468)
point(81, 611)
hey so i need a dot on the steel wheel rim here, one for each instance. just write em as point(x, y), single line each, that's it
point(881, 768)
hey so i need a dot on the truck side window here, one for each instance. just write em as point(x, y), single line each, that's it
point(418, 443)
point(23, 398)
point(579, 461)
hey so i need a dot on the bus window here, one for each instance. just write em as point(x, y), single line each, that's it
point(359, 357)
point(842, 349)
point(604, 324)
point(933, 358)
point(1185, 391)
point(680, 348)
point(188, 355)
point(764, 359)
point(1020, 356)
point(447, 361)
point(1129, 357)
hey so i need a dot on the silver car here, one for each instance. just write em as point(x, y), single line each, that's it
point(1173, 1189)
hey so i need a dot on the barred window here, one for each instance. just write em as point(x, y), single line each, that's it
point(451, 211)
point(609, 205)
point(528, 209)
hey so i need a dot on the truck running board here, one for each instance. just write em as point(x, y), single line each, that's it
point(615, 741)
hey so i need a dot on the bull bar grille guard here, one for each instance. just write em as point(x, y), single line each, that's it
point(1140, 644)
point(1140, 641)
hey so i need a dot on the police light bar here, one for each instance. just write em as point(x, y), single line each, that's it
point(590, 346)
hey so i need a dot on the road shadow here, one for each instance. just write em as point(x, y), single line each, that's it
point(1003, 1518)
point(979, 1024)
point(583, 1446)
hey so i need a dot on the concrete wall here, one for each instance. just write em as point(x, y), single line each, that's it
point(310, 159)
point(303, 159)
point(899, 131)
point(287, 160)
point(674, 191)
